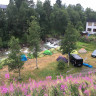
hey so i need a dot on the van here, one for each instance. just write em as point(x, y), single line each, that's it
point(76, 60)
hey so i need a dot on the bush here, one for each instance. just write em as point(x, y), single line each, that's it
point(29, 55)
point(84, 39)
point(5, 62)
point(1, 66)
point(61, 65)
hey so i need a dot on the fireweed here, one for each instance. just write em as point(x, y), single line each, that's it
point(68, 86)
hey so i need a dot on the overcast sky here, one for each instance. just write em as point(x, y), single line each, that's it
point(85, 3)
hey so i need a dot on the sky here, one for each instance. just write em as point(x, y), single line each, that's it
point(85, 3)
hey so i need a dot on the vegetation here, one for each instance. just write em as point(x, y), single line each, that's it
point(34, 38)
point(15, 56)
point(32, 23)
point(68, 42)
point(61, 65)
point(53, 20)
point(69, 86)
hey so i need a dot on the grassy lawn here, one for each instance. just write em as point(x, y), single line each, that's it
point(87, 46)
point(51, 70)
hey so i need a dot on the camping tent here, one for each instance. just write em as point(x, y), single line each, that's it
point(23, 58)
point(47, 52)
point(82, 50)
point(74, 52)
point(62, 58)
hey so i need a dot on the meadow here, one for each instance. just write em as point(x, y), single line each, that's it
point(68, 86)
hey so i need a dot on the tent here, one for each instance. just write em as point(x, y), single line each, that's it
point(74, 52)
point(23, 58)
point(82, 50)
point(47, 52)
point(62, 58)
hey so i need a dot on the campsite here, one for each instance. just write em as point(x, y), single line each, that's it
point(47, 48)
point(48, 64)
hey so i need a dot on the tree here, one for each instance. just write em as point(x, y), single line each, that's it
point(68, 42)
point(46, 17)
point(3, 29)
point(15, 56)
point(58, 2)
point(59, 20)
point(18, 15)
point(0, 42)
point(34, 37)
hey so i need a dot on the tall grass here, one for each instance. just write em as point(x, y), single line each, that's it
point(69, 86)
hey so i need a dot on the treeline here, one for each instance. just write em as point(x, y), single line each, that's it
point(53, 20)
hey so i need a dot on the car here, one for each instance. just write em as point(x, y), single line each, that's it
point(76, 60)
point(94, 54)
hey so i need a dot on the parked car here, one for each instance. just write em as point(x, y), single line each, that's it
point(76, 60)
point(94, 53)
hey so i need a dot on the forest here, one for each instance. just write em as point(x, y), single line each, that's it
point(52, 20)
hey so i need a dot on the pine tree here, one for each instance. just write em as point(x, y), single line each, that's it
point(58, 2)
point(68, 42)
point(34, 38)
point(15, 56)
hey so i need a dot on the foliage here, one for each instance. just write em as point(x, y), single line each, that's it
point(61, 65)
point(15, 55)
point(68, 86)
point(58, 2)
point(53, 20)
point(1, 66)
point(30, 56)
point(88, 46)
point(69, 40)
point(34, 37)
point(0, 42)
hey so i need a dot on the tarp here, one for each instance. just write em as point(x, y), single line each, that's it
point(74, 52)
point(23, 58)
point(62, 58)
point(90, 66)
point(47, 52)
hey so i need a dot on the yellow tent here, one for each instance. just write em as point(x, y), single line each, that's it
point(74, 52)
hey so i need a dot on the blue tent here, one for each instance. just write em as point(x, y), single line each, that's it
point(23, 58)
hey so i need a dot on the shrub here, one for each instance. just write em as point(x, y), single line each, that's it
point(61, 65)
point(1, 66)
point(30, 55)
point(84, 39)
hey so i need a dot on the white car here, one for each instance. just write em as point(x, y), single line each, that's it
point(94, 53)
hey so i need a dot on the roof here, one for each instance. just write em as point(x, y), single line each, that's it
point(91, 20)
point(3, 6)
point(76, 56)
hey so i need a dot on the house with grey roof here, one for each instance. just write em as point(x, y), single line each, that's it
point(3, 7)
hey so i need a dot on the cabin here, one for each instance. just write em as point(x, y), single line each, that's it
point(91, 26)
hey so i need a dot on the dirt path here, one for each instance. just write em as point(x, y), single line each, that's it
point(84, 72)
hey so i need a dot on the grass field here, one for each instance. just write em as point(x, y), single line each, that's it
point(48, 65)
point(88, 46)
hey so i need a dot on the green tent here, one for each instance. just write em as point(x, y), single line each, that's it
point(47, 52)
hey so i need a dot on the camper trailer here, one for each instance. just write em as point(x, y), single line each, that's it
point(76, 60)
